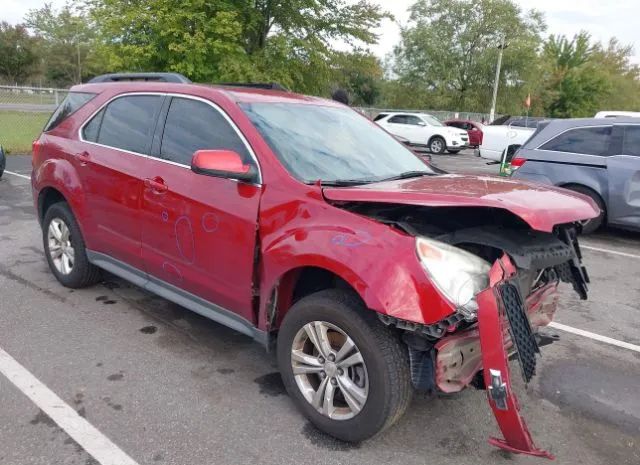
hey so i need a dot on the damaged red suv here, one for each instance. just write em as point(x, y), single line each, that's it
point(302, 224)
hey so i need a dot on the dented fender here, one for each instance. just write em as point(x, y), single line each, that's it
point(495, 361)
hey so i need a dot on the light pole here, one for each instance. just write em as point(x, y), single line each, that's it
point(492, 113)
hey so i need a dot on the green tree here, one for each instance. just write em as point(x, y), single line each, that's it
point(576, 83)
point(67, 44)
point(288, 41)
point(449, 50)
point(17, 53)
point(361, 74)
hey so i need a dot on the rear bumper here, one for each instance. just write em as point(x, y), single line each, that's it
point(486, 348)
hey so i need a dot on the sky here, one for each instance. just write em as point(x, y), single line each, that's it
point(600, 18)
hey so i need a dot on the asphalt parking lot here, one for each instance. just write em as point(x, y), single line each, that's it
point(166, 386)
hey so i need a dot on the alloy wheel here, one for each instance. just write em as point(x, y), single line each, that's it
point(60, 246)
point(329, 370)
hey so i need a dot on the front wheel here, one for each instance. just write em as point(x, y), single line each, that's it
point(437, 145)
point(346, 371)
point(453, 152)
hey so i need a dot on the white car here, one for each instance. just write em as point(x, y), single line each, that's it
point(617, 114)
point(504, 132)
point(424, 130)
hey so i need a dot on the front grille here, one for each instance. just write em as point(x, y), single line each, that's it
point(521, 332)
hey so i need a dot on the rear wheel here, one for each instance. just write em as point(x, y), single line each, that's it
point(65, 249)
point(437, 145)
point(592, 225)
point(346, 371)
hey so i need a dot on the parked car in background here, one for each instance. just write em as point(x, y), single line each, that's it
point(504, 132)
point(423, 155)
point(473, 128)
point(298, 222)
point(425, 130)
point(616, 114)
point(595, 157)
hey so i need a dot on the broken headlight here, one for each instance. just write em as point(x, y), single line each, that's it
point(458, 274)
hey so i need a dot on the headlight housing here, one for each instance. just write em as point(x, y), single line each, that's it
point(458, 274)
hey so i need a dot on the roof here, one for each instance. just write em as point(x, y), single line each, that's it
point(238, 94)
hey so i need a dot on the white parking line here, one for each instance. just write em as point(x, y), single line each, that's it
point(594, 336)
point(91, 440)
point(18, 174)
point(613, 252)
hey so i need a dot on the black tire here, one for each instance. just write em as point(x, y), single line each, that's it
point(83, 273)
point(385, 357)
point(3, 162)
point(437, 145)
point(453, 152)
point(593, 225)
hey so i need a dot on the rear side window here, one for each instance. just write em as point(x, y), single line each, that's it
point(588, 141)
point(71, 103)
point(380, 116)
point(399, 119)
point(194, 125)
point(128, 122)
point(631, 144)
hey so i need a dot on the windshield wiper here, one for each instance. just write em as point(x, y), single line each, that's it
point(408, 175)
point(344, 182)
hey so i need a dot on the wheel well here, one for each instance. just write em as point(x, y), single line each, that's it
point(434, 136)
point(299, 283)
point(48, 196)
point(594, 193)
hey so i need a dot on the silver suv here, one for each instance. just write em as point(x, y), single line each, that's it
point(596, 157)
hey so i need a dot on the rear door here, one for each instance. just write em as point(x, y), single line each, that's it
point(398, 125)
point(199, 232)
point(113, 160)
point(623, 167)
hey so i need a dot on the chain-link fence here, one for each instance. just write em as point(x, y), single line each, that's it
point(441, 115)
point(23, 113)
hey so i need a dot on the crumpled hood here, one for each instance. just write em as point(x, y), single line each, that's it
point(542, 207)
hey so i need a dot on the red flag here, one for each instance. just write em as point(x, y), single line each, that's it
point(527, 102)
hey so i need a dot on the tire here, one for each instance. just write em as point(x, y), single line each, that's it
point(3, 162)
point(453, 152)
point(590, 226)
point(81, 273)
point(437, 145)
point(386, 364)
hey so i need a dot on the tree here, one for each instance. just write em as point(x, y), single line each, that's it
point(577, 83)
point(450, 47)
point(17, 53)
point(68, 48)
point(289, 41)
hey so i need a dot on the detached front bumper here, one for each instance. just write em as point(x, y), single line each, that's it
point(495, 362)
point(504, 329)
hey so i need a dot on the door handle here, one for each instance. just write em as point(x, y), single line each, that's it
point(156, 184)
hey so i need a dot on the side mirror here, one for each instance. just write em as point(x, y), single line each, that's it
point(222, 164)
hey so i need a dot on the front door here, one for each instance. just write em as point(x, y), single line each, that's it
point(199, 232)
point(623, 169)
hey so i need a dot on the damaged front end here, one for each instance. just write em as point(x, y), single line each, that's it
point(473, 346)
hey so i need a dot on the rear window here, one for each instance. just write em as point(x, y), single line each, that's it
point(72, 103)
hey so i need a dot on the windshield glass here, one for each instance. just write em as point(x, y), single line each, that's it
point(431, 120)
point(331, 144)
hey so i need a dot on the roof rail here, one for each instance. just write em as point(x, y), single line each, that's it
point(161, 77)
point(256, 85)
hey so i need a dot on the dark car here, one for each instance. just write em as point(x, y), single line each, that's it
point(599, 158)
point(300, 223)
point(473, 128)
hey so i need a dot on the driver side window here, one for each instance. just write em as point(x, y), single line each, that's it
point(193, 125)
point(415, 121)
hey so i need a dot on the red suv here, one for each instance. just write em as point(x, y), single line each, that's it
point(297, 221)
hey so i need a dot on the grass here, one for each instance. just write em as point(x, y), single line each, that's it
point(18, 129)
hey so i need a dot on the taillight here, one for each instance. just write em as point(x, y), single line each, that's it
point(517, 162)
point(35, 150)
